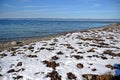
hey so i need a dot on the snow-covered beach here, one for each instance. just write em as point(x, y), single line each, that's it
point(86, 55)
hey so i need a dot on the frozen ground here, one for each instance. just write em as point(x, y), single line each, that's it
point(68, 57)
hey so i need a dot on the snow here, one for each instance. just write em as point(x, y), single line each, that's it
point(33, 68)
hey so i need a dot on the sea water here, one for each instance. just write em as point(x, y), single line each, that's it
point(13, 29)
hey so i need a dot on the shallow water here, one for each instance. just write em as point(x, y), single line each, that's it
point(13, 29)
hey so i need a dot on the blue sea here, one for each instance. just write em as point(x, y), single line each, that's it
point(14, 29)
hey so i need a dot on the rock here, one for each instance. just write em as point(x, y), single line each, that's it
point(116, 78)
point(77, 56)
point(106, 77)
point(13, 53)
point(30, 48)
point(90, 63)
point(96, 56)
point(13, 43)
point(37, 73)
point(1, 75)
point(102, 43)
point(32, 56)
point(3, 55)
point(59, 53)
point(110, 37)
point(89, 56)
point(55, 58)
point(109, 66)
point(42, 48)
point(89, 39)
point(103, 57)
point(115, 24)
point(71, 76)
point(13, 48)
point(54, 75)
point(50, 49)
point(80, 66)
point(19, 64)
point(22, 69)
point(52, 44)
point(90, 76)
point(109, 52)
point(55, 40)
point(20, 43)
point(52, 64)
point(69, 46)
point(80, 52)
point(21, 53)
point(44, 44)
point(91, 50)
point(36, 51)
point(18, 77)
point(11, 70)
point(94, 69)
point(118, 54)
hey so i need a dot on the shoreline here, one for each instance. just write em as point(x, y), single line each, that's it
point(20, 42)
point(92, 54)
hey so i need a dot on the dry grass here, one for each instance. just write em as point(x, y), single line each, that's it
point(107, 76)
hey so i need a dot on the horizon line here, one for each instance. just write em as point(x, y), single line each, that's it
point(64, 18)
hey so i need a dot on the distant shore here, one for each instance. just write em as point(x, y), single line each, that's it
point(9, 44)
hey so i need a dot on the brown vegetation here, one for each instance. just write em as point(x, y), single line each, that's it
point(54, 75)
point(109, 66)
point(71, 75)
point(80, 66)
point(52, 64)
point(77, 56)
point(54, 58)
point(32, 56)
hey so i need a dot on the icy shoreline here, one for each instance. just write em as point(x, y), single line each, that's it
point(5, 45)
point(74, 56)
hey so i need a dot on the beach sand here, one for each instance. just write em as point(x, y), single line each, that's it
point(89, 54)
point(9, 44)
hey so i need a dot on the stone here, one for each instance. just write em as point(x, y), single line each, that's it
point(104, 58)
point(80, 66)
point(77, 56)
point(54, 75)
point(90, 76)
point(94, 69)
point(3, 55)
point(59, 53)
point(18, 77)
point(52, 64)
point(32, 56)
point(91, 50)
point(71, 75)
point(19, 64)
point(55, 58)
point(13, 43)
point(11, 70)
point(109, 66)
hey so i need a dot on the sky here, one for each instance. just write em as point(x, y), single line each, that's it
point(92, 9)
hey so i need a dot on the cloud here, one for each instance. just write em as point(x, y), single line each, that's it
point(8, 5)
point(34, 6)
point(64, 13)
point(97, 5)
point(24, 0)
